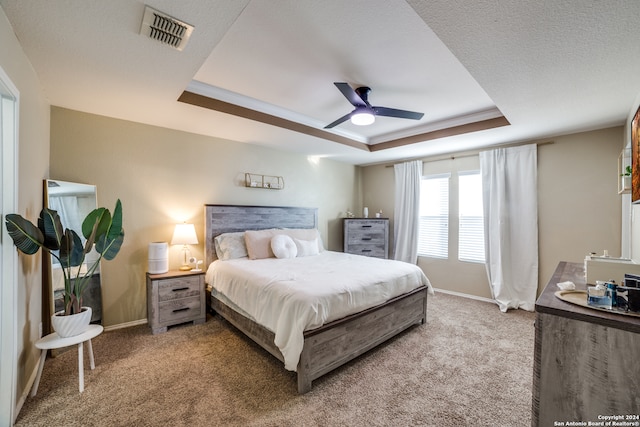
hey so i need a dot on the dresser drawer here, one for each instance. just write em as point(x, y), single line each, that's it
point(179, 287)
point(372, 225)
point(364, 237)
point(367, 250)
point(176, 310)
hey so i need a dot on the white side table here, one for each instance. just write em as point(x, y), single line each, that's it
point(53, 340)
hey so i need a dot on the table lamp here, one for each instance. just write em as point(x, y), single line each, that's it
point(184, 234)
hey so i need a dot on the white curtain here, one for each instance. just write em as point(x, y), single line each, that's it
point(509, 183)
point(67, 207)
point(407, 210)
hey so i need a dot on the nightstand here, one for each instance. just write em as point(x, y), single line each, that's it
point(175, 297)
point(369, 237)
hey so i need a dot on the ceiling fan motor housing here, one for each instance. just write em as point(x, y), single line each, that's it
point(363, 92)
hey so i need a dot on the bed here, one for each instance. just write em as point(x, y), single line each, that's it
point(327, 338)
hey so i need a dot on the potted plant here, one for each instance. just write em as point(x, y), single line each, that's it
point(101, 230)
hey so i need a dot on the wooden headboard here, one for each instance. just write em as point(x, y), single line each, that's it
point(220, 219)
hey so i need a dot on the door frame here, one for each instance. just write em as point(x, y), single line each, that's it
point(8, 254)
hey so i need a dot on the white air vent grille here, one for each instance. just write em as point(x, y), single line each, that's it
point(166, 29)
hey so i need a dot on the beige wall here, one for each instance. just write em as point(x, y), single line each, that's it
point(164, 177)
point(33, 164)
point(579, 208)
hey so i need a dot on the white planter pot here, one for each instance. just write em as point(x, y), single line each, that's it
point(72, 325)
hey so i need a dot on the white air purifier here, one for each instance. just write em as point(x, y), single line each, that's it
point(158, 257)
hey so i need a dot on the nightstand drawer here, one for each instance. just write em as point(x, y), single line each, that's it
point(179, 287)
point(176, 310)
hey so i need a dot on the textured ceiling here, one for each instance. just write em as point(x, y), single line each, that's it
point(550, 67)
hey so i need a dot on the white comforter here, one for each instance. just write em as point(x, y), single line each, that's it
point(289, 296)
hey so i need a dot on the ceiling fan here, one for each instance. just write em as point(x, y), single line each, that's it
point(364, 113)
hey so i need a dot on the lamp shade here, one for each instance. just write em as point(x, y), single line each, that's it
point(184, 234)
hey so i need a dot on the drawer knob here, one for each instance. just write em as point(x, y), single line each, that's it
point(180, 289)
point(366, 226)
point(177, 310)
point(366, 238)
point(366, 250)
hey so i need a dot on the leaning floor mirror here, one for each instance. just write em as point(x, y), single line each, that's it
point(73, 202)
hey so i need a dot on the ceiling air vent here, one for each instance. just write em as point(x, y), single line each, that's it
point(164, 28)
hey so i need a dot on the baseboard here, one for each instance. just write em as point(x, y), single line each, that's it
point(126, 325)
point(460, 294)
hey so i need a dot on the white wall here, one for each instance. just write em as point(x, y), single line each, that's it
point(33, 166)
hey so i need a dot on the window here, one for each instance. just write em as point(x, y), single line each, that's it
point(471, 217)
point(433, 235)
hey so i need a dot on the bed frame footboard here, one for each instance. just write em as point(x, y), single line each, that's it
point(336, 343)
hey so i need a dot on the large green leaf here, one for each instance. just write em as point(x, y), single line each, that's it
point(106, 230)
point(71, 249)
point(27, 237)
point(49, 223)
point(90, 225)
point(109, 248)
point(95, 223)
point(115, 228)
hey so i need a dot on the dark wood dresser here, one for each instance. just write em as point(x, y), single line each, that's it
point(586, 361)
point(369, 237)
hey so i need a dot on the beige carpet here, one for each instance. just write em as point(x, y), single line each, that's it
point(470, 365)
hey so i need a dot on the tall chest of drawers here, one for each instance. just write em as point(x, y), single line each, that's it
point(369, 237)
point(175, 297)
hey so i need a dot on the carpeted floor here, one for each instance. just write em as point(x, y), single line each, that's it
point(470, 365)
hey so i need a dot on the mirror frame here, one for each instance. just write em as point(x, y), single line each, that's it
point(48, 299)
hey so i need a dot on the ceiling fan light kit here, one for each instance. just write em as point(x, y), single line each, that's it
point(362, 118)
point(364, 113)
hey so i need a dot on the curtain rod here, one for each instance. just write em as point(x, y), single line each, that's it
point(468, 153)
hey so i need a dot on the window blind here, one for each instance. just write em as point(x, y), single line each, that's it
point(433, 238)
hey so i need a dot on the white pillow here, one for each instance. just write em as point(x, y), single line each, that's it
point(305, 234)
point(259, 243)
point(306, 247)
point(283, 246)
point(230, 246)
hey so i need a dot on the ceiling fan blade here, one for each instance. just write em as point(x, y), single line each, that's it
point(350, 94)
point(340, 120)
point(392, 112)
